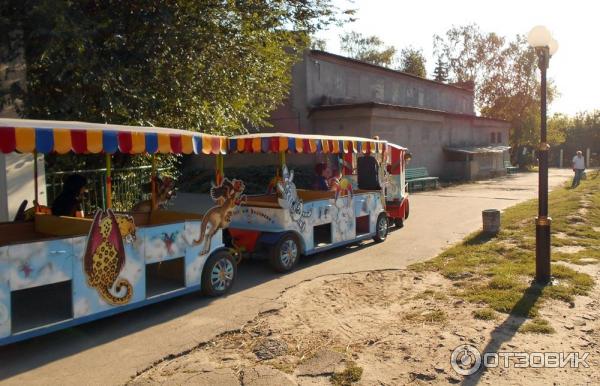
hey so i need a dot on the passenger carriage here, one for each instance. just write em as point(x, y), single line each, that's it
point(287, 222)
point(57, 272)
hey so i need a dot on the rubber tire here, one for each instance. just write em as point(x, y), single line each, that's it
point(274, 254)
point(398, 222)
point(377, 238)
point(207, 288)
point(407, 210)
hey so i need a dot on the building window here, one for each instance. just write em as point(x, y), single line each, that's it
point(499, 137)
point(493, 138)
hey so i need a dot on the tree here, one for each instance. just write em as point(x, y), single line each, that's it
point(557, 127)
point(583, 132)
point(318, 44)
point(505, 76)
point(441, 71)
point(412, 61)
point(369, 49)
point(214, 66)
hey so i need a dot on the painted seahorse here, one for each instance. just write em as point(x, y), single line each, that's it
point(105, 257)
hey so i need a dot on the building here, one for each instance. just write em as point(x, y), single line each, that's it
point(336, 95)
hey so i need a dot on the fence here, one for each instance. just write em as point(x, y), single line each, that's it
point(129, 186)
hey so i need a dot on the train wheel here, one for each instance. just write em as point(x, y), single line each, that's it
point(381, 228)
point(284, 255)
point(218, 274)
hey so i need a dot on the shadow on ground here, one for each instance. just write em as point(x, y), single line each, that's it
point(507, 330)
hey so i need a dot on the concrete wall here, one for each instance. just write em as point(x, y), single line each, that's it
point(325, 79)
point(334, 80)
point(424, 134)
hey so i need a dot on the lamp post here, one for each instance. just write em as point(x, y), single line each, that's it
point(545, 46)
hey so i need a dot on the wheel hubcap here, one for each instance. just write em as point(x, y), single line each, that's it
point(382, 227)
point(221, 275)
point(288, 253)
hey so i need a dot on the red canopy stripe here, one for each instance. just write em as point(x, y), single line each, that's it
point(8, 139)
point(306, 146)
point(176, 144)
point(216, 145)
point(248, 145)
point(125, 142)
point(79, 141)
point(274, 144)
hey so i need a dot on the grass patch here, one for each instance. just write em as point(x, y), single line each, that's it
point(484, 314)
point(430, 294)
point(433, 317)
point(537, 326)
point(351, 374)
point(497, 271)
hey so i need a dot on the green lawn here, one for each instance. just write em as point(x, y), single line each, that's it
point(498, 271)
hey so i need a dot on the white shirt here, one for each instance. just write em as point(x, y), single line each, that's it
point(579, 162)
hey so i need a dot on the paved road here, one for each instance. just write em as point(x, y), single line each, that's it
point(110, 351)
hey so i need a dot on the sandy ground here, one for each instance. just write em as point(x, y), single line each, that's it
point(398, 326)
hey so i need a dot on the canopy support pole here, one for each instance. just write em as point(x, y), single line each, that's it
point(220, 167)
point(35, 180)
point(153, 182)
point(108, 182)
point(281, 159)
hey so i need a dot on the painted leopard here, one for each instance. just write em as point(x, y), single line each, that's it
point(108, 258)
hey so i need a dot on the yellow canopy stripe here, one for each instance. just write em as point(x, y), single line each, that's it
point(138, 142)
point(25, 139)
point(187, 144)
point(164, 143)
point(62, 141)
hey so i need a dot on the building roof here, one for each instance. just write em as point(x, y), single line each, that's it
point(399, 107)
point(477, 149)
point(389, 70)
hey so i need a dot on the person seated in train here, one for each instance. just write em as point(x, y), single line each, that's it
point(69, 201)
point(320, 182)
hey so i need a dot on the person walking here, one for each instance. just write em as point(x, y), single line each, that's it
point(578, 168)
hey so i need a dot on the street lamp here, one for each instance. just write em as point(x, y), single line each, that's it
point(545, 46)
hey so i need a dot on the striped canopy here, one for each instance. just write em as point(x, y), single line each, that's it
point(28, 136)
point(299, 143)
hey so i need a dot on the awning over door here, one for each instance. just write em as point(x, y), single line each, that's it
point(477, 149)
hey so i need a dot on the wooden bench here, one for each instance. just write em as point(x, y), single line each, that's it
point(509, 168)
point(419, 178)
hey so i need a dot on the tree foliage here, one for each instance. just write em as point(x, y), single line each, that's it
point(441, 71)
point(583, 131)
point(370, 49)
point(318, 44)
point(505, 75)
point(412, 61)
point(217, 66)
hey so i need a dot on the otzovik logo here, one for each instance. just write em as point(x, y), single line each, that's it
point(465, 359)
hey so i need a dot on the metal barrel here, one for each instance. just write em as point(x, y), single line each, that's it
point(491, 220)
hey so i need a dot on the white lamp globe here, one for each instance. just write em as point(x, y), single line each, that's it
point(539, 36)
point(552, 46)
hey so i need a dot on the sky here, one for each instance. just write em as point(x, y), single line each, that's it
point(575, 67)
